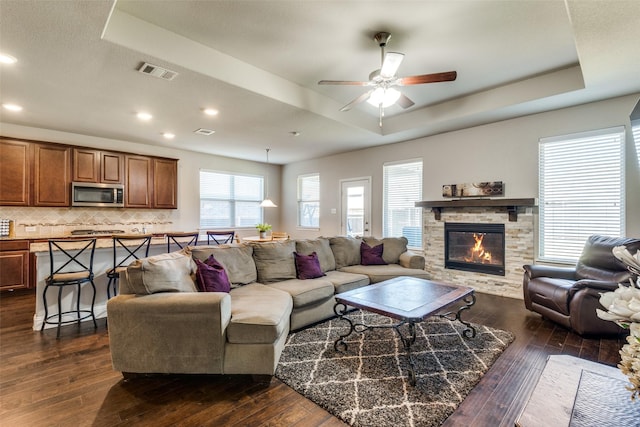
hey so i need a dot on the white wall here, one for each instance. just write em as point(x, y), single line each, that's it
point(503, 151)
point(186, 217)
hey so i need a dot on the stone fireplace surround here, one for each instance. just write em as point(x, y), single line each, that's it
point(519, 247)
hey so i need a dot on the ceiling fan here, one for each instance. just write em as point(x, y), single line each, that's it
point(382, 93)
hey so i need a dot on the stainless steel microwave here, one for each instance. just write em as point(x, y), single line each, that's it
point(97, 195)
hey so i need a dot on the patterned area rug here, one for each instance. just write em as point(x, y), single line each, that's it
point(367, 384)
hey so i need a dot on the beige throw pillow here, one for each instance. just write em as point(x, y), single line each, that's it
point(170, 272)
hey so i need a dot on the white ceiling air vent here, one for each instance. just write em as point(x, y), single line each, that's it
point(155, 71)
point(205, 132)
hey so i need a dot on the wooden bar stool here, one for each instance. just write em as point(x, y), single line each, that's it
point(182, 239)
point(133, 246)
point(70, 267)
point(220, 237)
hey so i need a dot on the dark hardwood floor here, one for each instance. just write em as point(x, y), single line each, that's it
point(49, 382)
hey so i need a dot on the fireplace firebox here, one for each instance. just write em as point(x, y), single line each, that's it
point(474, 247)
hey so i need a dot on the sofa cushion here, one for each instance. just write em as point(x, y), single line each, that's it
point(237, 260)
point(274, 261)
point(343, 281)
point(306, 292)
point(322, 247)
point(371, 255)
point(346, 250)
point(307, 266)
point(259, 314)
point(393, 247)
point(161, 273)
point(378, 273)
point(211, 277)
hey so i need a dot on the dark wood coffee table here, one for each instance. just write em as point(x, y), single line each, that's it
point(409, 300)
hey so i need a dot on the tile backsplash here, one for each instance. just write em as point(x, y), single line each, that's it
point(32, 222)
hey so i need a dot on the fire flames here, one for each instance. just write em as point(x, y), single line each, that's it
point(478, 254)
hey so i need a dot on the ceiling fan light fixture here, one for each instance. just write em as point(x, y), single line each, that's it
point(386, 97)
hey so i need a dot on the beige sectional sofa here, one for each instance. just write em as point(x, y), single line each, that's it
point(160, 323)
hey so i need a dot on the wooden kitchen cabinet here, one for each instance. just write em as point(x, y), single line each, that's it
point(51, 175)
point(15, 172)
point(97, 166)
point(14, 264)
point(165, 183)
point(138, 187)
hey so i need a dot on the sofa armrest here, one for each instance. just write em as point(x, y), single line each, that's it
point(410, 259)
point(181, 332)
point(597, 285)
point(537, 270)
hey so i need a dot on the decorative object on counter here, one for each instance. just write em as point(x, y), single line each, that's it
point(220, 237)
point(135, 246)
point(182, 239)
point(474, 189)
point(6, 227)
point(70, 267)
point(263, 228)
point(623, 308)
point(280, 235)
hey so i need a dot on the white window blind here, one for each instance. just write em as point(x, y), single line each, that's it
point(581, 191)
point(402, 188)
point(309, 201)
point(228, 200)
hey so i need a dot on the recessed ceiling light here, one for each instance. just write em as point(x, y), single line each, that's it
point(12, 107)
point(7, 59)
point(294, 133)
point(144, 116)
point(169, 135)
point(211, 112)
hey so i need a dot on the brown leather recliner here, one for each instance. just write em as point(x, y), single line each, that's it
point(570, 296)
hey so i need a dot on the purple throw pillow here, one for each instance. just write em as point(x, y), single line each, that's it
point(211, 276)
point(371, 255)
point(308, 266)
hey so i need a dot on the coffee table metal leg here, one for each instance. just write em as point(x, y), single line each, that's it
point(469, 300)
point(341, 309)
point(407, 342)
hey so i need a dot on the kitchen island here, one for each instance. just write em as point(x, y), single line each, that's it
point(102, 262)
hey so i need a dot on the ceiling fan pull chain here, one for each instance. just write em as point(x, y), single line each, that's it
point(381, 115)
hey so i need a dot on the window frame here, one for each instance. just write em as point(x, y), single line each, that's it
point(385, 200)
point(300, 200)
point(577, 193)
point(233, 201)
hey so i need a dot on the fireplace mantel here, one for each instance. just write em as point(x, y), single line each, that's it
point(511, 204)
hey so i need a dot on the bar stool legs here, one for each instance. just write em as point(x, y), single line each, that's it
point(79, 315)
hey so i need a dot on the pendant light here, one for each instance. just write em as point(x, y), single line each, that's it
point(267, 203)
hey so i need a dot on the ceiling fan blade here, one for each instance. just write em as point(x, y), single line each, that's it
point(356, 101)
point(344, 82)
point(392, 61)
point(404, 101)
point(427, 78)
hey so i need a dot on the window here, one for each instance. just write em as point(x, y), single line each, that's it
point(402, 188)
point(228, 200)
point(309, 201)
point(581, 191)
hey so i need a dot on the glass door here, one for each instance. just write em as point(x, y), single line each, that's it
point(355, 207)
